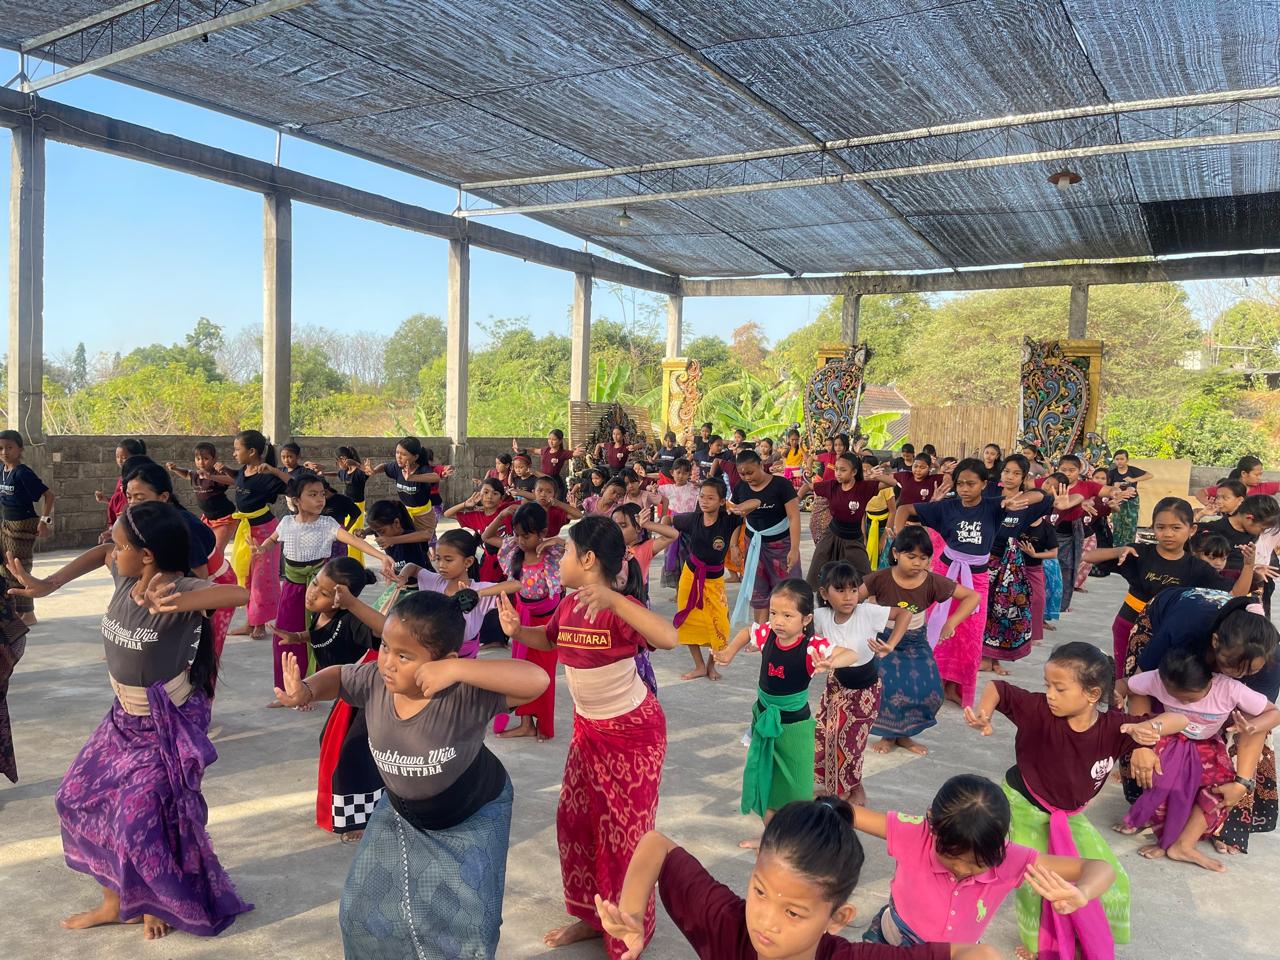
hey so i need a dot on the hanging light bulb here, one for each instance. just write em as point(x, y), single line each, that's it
point(625, 219)
point(1064, 179)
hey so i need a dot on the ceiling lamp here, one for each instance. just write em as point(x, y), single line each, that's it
point(1064, 180)
point(625, 219)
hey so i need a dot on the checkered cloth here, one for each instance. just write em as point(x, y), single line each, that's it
point(352, 811)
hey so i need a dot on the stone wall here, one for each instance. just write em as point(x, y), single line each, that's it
point(75, 467)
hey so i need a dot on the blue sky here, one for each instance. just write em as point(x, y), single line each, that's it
point(135, 254)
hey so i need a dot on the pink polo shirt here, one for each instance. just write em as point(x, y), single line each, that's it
point(930, 900)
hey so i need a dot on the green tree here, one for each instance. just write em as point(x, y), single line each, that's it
point(888, 325)
point(719, 366)
point(79, 368)
point(198, 354)
point(1253, 326)
point(414, 346)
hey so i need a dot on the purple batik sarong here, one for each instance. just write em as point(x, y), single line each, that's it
point(133, 817)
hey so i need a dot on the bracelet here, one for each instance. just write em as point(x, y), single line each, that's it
point(309, 690)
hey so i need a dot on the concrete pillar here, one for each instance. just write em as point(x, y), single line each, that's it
point(850, 306)
point(277, 315)
point(580, 362)
point(1078, 317)
point(675, 325)
point(26, 284)
point(458, 344)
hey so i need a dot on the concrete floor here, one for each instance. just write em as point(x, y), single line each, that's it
point(261, 800)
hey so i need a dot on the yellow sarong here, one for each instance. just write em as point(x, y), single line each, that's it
point(241, 554)
point(708, 625)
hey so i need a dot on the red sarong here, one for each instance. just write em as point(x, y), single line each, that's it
point(535, 613)
point(608, 801)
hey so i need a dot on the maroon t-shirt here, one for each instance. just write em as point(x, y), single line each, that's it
point(847, 506)
point(1059, 765)
point(714, 920)
point(556, 519)
point(616, 455)
point(553, 461)
point(912, 490)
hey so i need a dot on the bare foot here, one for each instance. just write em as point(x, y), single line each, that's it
point(951, 691)
point(258, 633)
point(575, 932)
point(241, 631)
point(998, 669)
point(884, 745)
point(712, 672)
point(1193, 855)
point(919, 749)
point(1152, 851)
point(524, 729)
point(153, 928)
point(1049, 626)
point(749, 844)
point(1022, 953)
point(352, 836)
point(1226, 848)
point(275, 703)
point(694, 674)
point(1124, 828)
point(107, 912)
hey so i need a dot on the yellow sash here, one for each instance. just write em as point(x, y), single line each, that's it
point(419, 511)
point(1134, 603)
point(352, 552)
point(875, 525)
point(241, 555)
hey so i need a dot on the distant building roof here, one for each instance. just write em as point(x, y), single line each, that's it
point(887, 399)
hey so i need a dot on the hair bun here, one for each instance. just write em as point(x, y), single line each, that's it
point(838, 806)
point(467, 600)
point(370, 578)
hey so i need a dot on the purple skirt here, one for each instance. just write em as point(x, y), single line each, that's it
point(133, 817)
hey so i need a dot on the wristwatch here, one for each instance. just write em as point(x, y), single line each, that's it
point(46, 519)
point(1247, 783)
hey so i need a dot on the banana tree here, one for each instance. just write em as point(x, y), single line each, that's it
point(610, 384)
point(875, 427)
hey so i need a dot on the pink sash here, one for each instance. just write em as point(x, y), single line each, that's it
point(698, 589)
point(1086, 928)
point(961, 571)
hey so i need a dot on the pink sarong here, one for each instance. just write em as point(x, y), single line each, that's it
point(960, 657)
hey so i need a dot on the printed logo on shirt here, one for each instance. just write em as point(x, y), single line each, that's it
point(969, 531)
point(584, 638)
point(113, 631)
point(718, 543)
point(1164, 579)
point(908, 818)
point(853, 506)
point(405, 487)
point(397, 764)
point(1100, 771)
point(776, 670)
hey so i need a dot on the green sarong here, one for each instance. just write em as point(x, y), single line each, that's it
point(780, 761)
point(1030, 828)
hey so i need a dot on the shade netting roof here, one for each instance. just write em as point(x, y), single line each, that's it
point(473, 90)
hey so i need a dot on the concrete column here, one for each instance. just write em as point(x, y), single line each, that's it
point(850, 307)
point(26, 284)
point(1078, 317)
point(675, 325)
point(458, 345)
point(277, 315)
point(580, 363)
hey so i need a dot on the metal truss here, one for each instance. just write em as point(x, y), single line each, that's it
point(130, 30)
point(1217, 119)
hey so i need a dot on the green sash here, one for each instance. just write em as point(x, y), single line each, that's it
point(757, 777)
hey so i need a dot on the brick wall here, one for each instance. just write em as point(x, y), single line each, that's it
point(75, 466)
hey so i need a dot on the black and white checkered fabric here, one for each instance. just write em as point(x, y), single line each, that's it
point(352, 811)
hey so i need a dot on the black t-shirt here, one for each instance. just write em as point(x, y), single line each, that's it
point(200, 540)
point(252, 493)
point(413, 493)
point(1042, 538)
point(406, 553)
point(708, 543)
point(1237, 539)
point(1114, 476)
point(523, 483)
point(344, 639)
point(665, 458)
point(212, 496)
point(775, 496)
point(784, 672)
point(1150, 574)
point(353, 482)
point(19, 489)
point(341, 508)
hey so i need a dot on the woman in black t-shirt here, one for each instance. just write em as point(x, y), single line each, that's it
point(259, 484)
point(20, 488)
point(417, 481)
